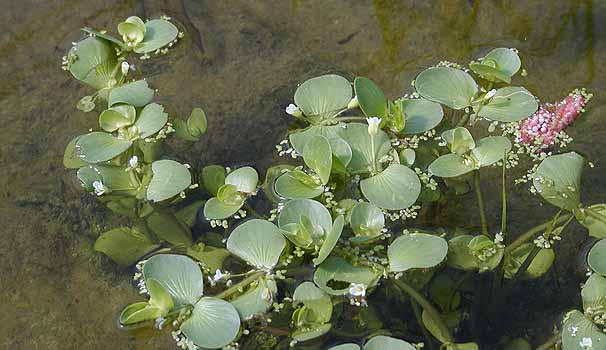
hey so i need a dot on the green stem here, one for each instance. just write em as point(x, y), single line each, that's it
point(428, 307)
point(417, 311)
point(236, 287)
point(528, 235)
point(478, 190)
point(372, 149)
point(463, 119)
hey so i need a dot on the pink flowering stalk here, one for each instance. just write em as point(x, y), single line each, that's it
point(542, 128)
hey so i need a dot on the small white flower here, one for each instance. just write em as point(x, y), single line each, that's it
point(357, 290)
point(373, 125)
point(133, 162)
point(353, 103)
point(219, 275)
point(586, 343)
point(125, 67)
point(490, 93)
point(293, 110)
point(99, 188)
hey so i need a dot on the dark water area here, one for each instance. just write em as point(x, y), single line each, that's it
point(241, 61)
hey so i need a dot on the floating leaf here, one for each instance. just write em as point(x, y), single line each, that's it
point(382, 342)
point(124, 245)
point(317, 155)
point(421, 115)
point(597, 257)
point(498, 65)
point(213, 177)
point(408, 156)
point(459, 255)
point(370, 97)
point(158, 33)
point(415, 251)
point(245, 179)
point(367, 220)
point(491, 149)
point(338, 269)
point(132, 30)
point(315, 300)
point(323, 97)
point(170, 178)
point(509, 104)
point(293, 211)
point(488, 254)
point(540, 264)
point(330, 241)
point(211, 257)
point(92, 61)
point(166, 227)
point(159, 296)
point(558, 179)
point(459, 140)
point(213, 323)
point(451, 165)
point(197, 123)
point(346, 347)
point(180, 275)
point(449, 86)
point(117, 117)
point(296, 184)
point(578, 330)
point(257, 300)
point(593, 218)
point(86, 104)
point(152, 119)
point(139, 312)
point(311, 332)
point(97, 147)
point(594, 293)
point(214, 209)
point(397, 187)
point(339, 147)
point(71, 160)
point(356, 135)
point(258, 242)
point(137, 94)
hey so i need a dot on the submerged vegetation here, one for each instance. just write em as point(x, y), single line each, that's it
point(343, 230)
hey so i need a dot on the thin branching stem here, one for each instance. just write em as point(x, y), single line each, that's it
point(528, 235)
point(478, 191)
point(419, 316)
point(238, 286)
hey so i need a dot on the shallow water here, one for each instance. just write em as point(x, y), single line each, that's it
point(241, 61)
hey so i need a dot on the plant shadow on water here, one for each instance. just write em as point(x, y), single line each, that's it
point(242, 61)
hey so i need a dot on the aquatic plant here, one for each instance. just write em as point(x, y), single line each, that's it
point(359, 168)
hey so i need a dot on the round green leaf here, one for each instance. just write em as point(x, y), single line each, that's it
point(71, 160)
point(245, 179)
point(356, 135)
point(158, 33)
point(97, 147)
point(317, 155)
point(421, 115)
point(558, 179)
point(541, 263)
point(337, 269)
point(578, 330)
point(339, 147)
point(258, 242)
point(114, 178)
point(214, 209)
point(593, 293)
point(293, 211)
point(132, 31)
point(213, 177)
point(151, 119)
point(408, 156)
point(416, 251)
point(451, 165)
point(330, 241)
point(459, 140)
point(449, 86)
point(498, 65)
point(124, 245)
point(459, 255)
point(510, 104)
point(117, 117)
point(92, 61)
point(139, 312)
point(257, 300)
point(296, 184)
point(170, 178)
point(349, 346)
point(323, 97)
point(382, 342)
point(315, 300)
point(213, 323)
point(178, 274)
point(370, 97)
point(367, 220)
point(197, 123)
point(315, 331)
point(597, 257)
point(595, 225)
point(159, 296)
point(137, 94)
point(491, 149)
point(397, 187)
